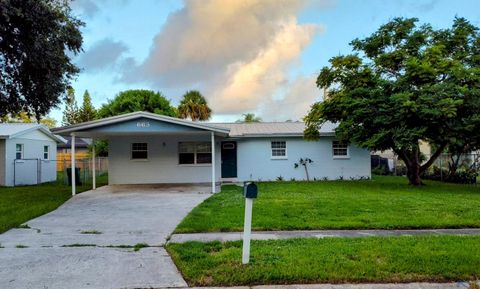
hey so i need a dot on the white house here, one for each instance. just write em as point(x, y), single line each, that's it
point(147, 148)
point(27, 154)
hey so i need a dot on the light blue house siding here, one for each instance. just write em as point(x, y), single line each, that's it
point(162, 165)
point(33, 168)
point(256, 163)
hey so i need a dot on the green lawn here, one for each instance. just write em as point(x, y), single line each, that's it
point(330, 260)
point(22, 203)
point(384, 202)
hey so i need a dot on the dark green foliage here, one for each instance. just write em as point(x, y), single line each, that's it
point(194, 106)
point(87, 112)
point(249, 118)
point(38, 38)
point(406, 83)
point(71, 112)
point(137, 100)
point(458, 177)
point(330, 260)
point(384, 202)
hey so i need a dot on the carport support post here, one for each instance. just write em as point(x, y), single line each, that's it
point(213, 161)
point(72, 170)
point(94, 185)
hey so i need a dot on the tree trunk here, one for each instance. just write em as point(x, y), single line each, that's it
point(413, 174)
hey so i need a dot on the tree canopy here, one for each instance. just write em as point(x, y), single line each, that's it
point(137, 100)
point(194, 106)
point(250, 117)
point(405, 83)
point(38, 39)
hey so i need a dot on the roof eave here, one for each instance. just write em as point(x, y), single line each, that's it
point(125, 117)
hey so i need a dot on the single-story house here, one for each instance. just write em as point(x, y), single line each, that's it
point(147, 148)
point(27, 154)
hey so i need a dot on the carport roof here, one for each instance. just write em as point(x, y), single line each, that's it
point(95, 124)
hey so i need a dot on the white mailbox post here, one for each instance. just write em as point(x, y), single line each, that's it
point(250, 192)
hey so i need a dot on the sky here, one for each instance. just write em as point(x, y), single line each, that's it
point(244, 56)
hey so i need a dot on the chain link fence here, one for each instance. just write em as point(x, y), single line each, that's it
point(37, 171)
point(463, 168)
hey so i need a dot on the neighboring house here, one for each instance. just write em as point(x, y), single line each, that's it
point(27, 154)
point(146, 148)
point(63, 151)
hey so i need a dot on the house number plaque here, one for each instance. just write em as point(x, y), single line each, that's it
point(143, 124)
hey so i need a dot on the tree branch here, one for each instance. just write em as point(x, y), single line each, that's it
point(432, 159)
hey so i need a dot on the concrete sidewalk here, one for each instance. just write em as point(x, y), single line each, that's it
point(278, 235)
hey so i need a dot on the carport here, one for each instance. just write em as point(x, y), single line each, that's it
point(147, 148)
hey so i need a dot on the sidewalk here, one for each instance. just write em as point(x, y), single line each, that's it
point(457, 285)
point(276, 235)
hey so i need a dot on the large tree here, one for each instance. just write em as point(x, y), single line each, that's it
point(194, 106)
point(405, 83)
point(37, 40)
point(87, 112)
point(131, 101)
point(137, 100)
point(70, 114)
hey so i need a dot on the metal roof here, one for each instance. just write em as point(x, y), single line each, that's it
point(259, 129)
point(236, 129)
point(85, 126)
point(11, 130)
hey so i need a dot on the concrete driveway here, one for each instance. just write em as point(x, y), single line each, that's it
point(81, 244)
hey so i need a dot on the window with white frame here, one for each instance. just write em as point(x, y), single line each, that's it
point(19, 151)
point(339, 149)
point(139, 151)
point(279, 149)
point(46, 152)
point(190, 153)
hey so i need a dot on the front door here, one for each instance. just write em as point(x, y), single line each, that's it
point(229, 159)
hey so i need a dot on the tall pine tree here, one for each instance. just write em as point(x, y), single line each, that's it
point(87, 112)
point(70, 114)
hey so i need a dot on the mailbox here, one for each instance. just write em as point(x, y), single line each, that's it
point(250, 190)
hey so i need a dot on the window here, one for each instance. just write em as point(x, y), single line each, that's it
point(46, 152)
point(190, 153)
point(19, 151)
point(340, 150)
point(139, 151)
point(279, 149)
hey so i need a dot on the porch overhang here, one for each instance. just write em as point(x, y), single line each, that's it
point(139, 123)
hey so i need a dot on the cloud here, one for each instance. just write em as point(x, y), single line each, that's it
point(87, 7)
point(238, 53)
point(102, 55)
point(301, 93)
point(248, 83)
point(90, 8)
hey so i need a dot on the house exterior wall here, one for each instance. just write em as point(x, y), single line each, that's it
point(2, 162)
point(26, 172)
point(255, 161)
point(162, 164)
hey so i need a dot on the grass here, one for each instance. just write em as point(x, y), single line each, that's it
point(22, 203)
point(381, 203)
point(330, 260)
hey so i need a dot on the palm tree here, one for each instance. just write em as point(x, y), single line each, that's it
point(194, 106)
point(250, 117)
